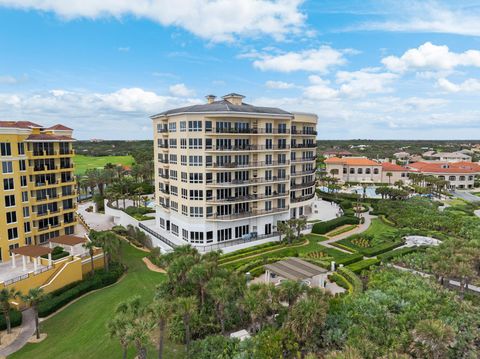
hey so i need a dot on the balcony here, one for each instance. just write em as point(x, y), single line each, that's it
point(162, 145)
point(304, 133)
point(164, 176)
point(46, 199)
point(248, 148)
point(302, 185)
point(304, 173)
point(248, 198)
point(307, 159)
point(165, 191)
point(304, 145)
point(248, 131)
point(303, 198)
point(249, 182)
point(44, 168)
point(246, 214)
point(257, 164)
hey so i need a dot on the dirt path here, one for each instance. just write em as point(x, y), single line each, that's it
point(152, 266)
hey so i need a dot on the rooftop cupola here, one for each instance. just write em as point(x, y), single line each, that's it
point(210, 98)
point(234, 98)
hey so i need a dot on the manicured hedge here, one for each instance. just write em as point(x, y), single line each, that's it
point(249, 249)
point(15, 319)
point(365, 264)
point(350, 259)
point(327, 226)
point(341, 281)
point(63, 296)
point(250, 253)
point(398, 253)
point(352, 278)
point(381, 248)
point(281, 254)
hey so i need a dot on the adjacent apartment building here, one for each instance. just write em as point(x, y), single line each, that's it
point(227, 169)
point(38, 197)
point(460, 175)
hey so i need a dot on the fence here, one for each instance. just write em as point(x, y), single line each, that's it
point(157, 235)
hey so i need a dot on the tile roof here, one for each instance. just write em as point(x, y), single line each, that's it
point(68, 240)
point(388, 166)
point(225, 106)
point(352, 161)
point(59, 127)
point(32, 251)
point(18, 124)
point(446, 167)
point(48, 137)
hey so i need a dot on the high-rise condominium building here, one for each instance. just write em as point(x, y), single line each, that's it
point(37, 184)
point(225, 170)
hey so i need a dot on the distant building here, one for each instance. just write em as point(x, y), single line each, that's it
point(392, 173)
point(457, 156)
point(459, 174)
point(402, 156)
point(354, 169)
point(336, 153)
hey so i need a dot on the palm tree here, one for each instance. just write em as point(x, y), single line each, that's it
point(139, 331)
point(111, 247)
point(432, 338)
point(348, 353)
point(117, 327)
point(290, 291)
point(389, 175)
point(161, 311)
point(186, 307)
point(32, 298)
point(6, 295)
point(300, 224)
point(90, 246)
point(285, 229)
point(220, 291)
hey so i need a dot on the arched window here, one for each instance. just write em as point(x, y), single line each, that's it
point(452, 178)
point(462, 178)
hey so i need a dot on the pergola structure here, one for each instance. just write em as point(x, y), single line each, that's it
point(29, 252)
point(67, 240)
point(294, 269)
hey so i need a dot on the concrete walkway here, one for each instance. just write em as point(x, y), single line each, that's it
point(28, 328)
point(360, 229)
point(96, 221)
point(467, 196)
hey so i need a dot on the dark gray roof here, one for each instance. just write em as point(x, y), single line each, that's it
point(225, 106)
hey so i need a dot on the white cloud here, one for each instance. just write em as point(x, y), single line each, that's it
point(314, 60)
point(181, 90)
point(319, 89)
point(430, 56)
point(124, 49)
point(279, 85)
point(8, 80)
point(365, 81)
point(215, 20)
point(427, 16)
point(469, 85)
point(119, 114)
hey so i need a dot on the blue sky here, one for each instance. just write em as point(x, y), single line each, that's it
point(369, 69)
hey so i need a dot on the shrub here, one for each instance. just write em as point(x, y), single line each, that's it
point(15, 319)
point(364, 264)
point(341, 281)
point(398, 253)
point(327, 226)
point(381, 248)
point(65, 295)
point(120, 230)
point(362, 242)
point(57, 253)
point(317, 255)
point(352, 278)
point(345, 204)
point(341, 230)
point(350, 259)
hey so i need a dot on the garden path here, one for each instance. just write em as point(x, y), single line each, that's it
point(27, 330)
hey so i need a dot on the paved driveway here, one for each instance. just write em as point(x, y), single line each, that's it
point(467, 196)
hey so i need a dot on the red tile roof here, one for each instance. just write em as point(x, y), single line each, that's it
point(352, 161)
point(388, 166)
point(446, 167)
point(339, 153)
point(59, 127)
point(18, 124)
point(48, 137)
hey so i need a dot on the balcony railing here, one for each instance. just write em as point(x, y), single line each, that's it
point(303, 198)
point(252, 213)
point(251, 181)
point(304, 173)
point(302, 185)
point(248, 148)
point(254, 131)
point(304, 145)
point(249, 164)
point(307, 133)
point(163, 145)
point(306, 159)
point(252, 197)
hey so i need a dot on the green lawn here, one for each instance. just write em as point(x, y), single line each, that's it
point(80, 330)
point(83, 163)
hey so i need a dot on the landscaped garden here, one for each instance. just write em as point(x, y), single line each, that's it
point(79, 331)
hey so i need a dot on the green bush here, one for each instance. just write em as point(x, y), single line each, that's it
point(398, 253)
point(15, 319)
point(352, 278)
point(364, 264)
point(57, 253)
point(341, 281)
point(65, 295)
point(120, 230)
point(381, 248)
point(327, 226)
point(350, 259)
point(345, 204)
